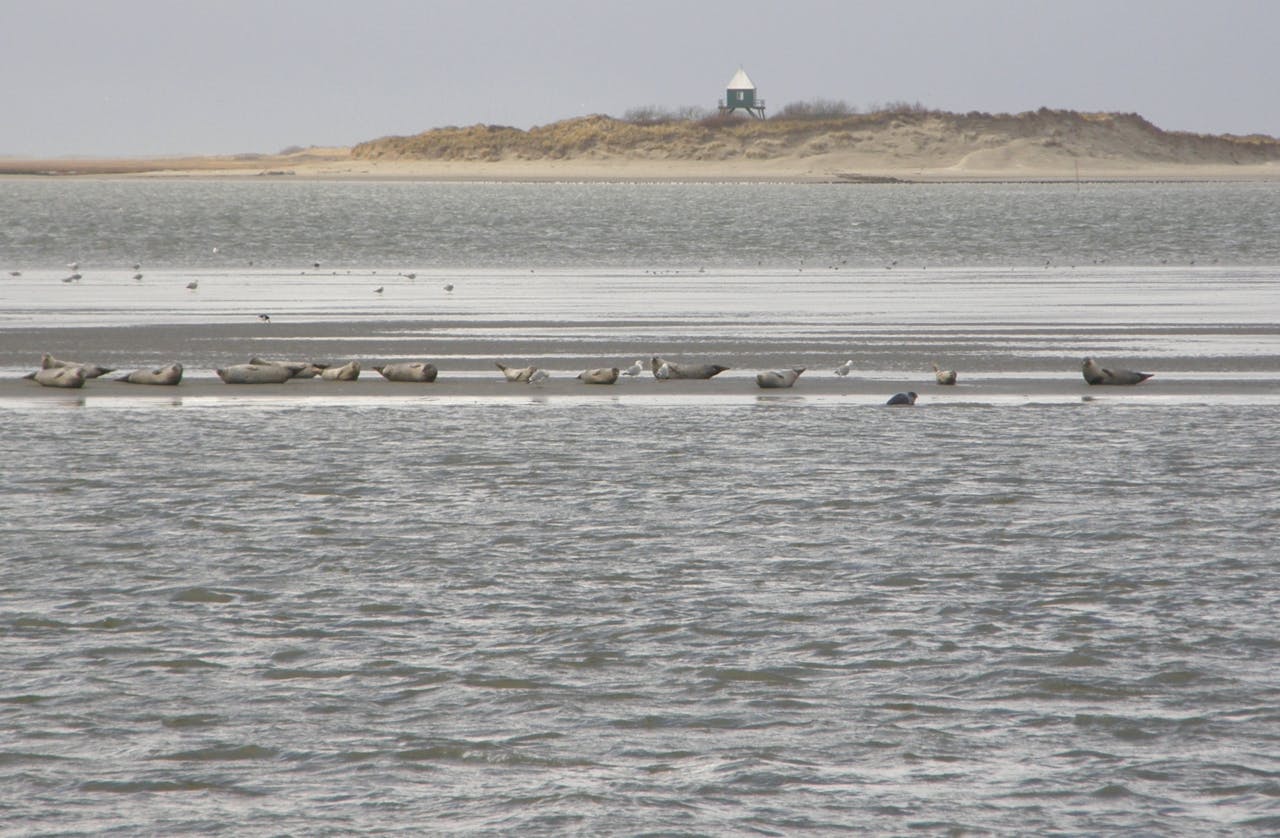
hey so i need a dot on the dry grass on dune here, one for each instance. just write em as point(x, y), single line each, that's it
point(911, 135)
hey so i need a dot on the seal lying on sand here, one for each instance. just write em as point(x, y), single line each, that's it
point(514, 374)
point(1095, 374)
point(944, 376)
point(902, 399)
point(685, 370)
point(58, 377)
point(300, 369)
point(254, 374)
point(599, 376)
point(349, 371)
point(408, 371)
point(778, 378)
point(171, 374)
point(48, 362)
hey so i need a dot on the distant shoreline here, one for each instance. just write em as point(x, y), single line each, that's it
point(340, 167)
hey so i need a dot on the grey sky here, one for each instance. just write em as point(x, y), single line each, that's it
point(135, 77)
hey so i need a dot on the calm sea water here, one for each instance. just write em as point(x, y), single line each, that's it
point(768, 617)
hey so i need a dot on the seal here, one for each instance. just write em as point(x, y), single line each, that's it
point(902, 399)
point(254, 374)
point(48, 362)
point(408, 371)
point(68, 377)
point(171, 374)
point(349, 371)
point(685, 370)
point(599, 376)
point(778, 378)
point(1094, 374)
point(944, 376)
point(514, 374)
point(299, 369)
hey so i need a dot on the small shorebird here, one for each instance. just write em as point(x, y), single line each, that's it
point(448, 286)
point(378, 290)
point(193, 285)
point(265, 318)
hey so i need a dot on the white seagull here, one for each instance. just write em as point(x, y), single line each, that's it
point(634, 370)
point(845, 368)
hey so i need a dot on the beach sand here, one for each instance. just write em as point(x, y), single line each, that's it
point(1006, 165)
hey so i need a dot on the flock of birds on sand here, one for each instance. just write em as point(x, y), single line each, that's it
point(55, 372)
point(193, 285)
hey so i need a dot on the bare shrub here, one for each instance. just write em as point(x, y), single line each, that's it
point(656, 115)
point(816, 109)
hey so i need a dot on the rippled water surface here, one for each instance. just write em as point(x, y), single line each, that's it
point(166, 224)
point(1029, 612)
point(588, 618)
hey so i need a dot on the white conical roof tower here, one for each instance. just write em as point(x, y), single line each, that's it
point(740, 81)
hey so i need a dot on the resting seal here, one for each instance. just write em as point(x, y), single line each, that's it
point(254, 374)
point(514, 374)
point(898, 399)
point(944, 376)
point(58, 377)
point(48, 362)
point(408, 371)
point(685, 370)
point(599, 376)
point(1094, 374)
point(778, 378)
point(171, 374)
point(349, 371)
point(299, 369)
